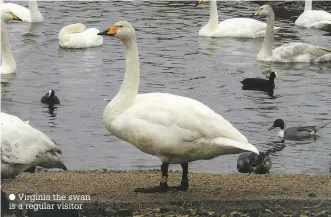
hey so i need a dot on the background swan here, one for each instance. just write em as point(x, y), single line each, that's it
point(27, 15)
point(317, 19)
point(290, 52)
point(78, 36)
point(23, 147)
point(176, 129)
point(235, 27)
point(8, 64)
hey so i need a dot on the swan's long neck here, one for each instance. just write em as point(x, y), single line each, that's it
point(34, 11)
point(266, 49)
point(308, 5)
point(213, 18)
point(7, 57)
point(129, 89)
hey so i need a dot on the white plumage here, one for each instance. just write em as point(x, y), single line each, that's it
point(176, 129)
point(23, 146)
point(290, 52)
point(31, 14)
point(78, 36)
point(234, 27)
point(316, 19)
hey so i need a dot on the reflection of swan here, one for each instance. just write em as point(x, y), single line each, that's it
point(317, 19)
point(176, 129)
point(27, 15)
point(78, 36)
point(8, 64)
point(235, 27)
point(23, 147)
point(290, 52)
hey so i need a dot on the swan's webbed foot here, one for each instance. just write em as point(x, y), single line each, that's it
point(183, 185)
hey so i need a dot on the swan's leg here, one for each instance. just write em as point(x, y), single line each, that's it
point(163, 187)
point(184, 183)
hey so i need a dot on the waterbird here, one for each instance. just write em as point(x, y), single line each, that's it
point(234, 27)
point(8, 63)
point(177, 129)
point(31, 15)
point(250, 162)
point(50, 98)
point(23, 147)
point(260, 84)
point(295, 133)
point(289, 52)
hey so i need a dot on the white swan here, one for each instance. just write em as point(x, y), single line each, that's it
point(23, 147)
point(290, 52)
point(8, 64)
point(317, 19)
point(235, 27)
point(78, 36)
point(176, 129)
point(27, 15)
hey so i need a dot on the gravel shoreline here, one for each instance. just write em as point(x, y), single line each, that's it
point(111, 194)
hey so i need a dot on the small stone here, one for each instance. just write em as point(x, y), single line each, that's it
point(211, 213)
point(193, 211)
point(157, 210)
point(302, 215)
point(297, 214)
point(125, 212)
point(109, 211)
point(312, 194)
point(268, 211)
point(322, 214)
point(234, 214)
point(165, 209)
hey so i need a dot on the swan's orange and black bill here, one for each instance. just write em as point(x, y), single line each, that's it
point(111, 31)
point(199, 2)
point(15, 17)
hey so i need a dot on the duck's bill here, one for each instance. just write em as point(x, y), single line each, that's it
point(198, 2)
point(271, 128)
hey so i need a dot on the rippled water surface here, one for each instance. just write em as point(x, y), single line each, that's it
point(174, 60)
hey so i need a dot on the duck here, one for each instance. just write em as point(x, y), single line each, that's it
point(8, 63)
point(289, 52)
point(79, 36)
point(260, 83)
point(250, 162)
point(50, 98)
point(31, 15)
point(234, 27)
point(24, 147)
point(295, 133)
point(315, 19)
point(174, 128)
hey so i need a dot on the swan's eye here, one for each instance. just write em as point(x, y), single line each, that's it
point(121, 26)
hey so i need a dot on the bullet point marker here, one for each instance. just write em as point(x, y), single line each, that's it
point(12, 197)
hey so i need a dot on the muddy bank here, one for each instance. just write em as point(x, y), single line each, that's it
point(111, 193)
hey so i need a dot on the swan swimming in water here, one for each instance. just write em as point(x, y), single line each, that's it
point(24, 147)
point(8, 64)
point(316, 19)
point(234, 27)
point(290, 52)
point(78, 36)
point(176, 129)
point(30, 15)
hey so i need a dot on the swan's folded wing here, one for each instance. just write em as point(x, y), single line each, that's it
point(87, 38)
point(165, 118)
point(21, 143)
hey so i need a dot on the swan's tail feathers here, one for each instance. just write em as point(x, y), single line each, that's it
point(317, 129)
point(234, 147)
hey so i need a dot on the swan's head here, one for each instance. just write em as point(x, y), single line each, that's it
point(7, 15)
point(122, 30)
point(278, 123)
point(199, 2)
point(264, 10)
